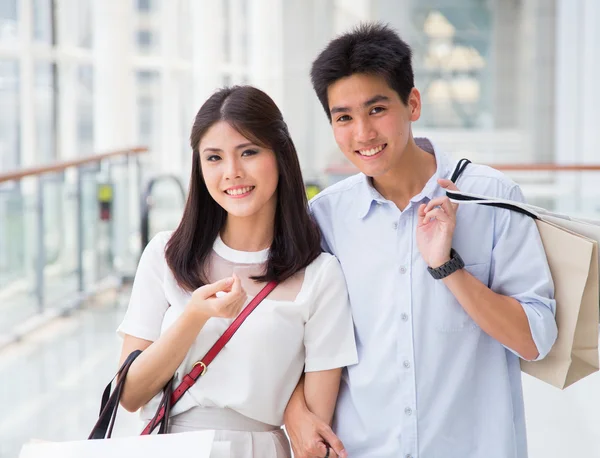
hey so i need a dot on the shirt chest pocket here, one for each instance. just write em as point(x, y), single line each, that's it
point(450, 315)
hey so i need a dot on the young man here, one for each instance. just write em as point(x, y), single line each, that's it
point(445, 300)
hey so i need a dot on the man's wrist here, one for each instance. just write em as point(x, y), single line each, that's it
point(434, 264)
point(454, 264)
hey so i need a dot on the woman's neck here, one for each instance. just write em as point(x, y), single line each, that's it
point(254, 233)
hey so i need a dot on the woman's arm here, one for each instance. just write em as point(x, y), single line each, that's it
point(321, 391)
point(160, 359)
point(309, 432)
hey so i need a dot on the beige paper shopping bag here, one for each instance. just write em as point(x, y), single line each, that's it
point(571, 247)
point(573, 261)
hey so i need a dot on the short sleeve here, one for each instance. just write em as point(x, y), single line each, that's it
point(148, 303)
point(329, 331)
point(520, 270)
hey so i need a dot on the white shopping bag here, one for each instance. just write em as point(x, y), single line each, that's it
point(197, 444)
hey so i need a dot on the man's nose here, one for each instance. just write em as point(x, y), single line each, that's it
point(365, 131)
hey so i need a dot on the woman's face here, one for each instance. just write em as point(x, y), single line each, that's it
point(240, 176)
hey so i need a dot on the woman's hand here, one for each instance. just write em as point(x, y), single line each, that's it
point(208, 303)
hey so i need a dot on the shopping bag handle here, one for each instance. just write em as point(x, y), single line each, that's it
point(110, 403)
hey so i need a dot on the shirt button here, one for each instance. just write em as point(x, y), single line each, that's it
point(407, 364)
point(395, 226)
point(402, 270)
point(409, 456)
point(404, 317)
point(408, 411)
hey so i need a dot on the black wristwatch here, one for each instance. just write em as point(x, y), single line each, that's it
point(455, 263)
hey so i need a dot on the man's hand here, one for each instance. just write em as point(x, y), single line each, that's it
point(437, 221)
point(310, 435)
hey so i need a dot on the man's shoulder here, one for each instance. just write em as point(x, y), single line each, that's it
point(337, 191)
point(483, 179)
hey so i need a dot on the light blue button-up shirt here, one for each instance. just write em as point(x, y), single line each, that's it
point(429, 382)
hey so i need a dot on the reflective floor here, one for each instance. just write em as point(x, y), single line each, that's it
point(52, 382)
point(51, 385)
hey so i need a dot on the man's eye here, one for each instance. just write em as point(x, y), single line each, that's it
point(249, 152)
point(344, 118)
point(376, 110)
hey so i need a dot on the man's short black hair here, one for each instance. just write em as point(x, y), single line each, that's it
point(372, 49)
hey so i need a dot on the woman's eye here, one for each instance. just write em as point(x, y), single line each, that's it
point(344, 118)
point(376, 110)
point(249, 152)
point(213, 158)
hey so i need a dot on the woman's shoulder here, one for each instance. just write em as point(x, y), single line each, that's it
point(325, 266)
point(159, 241)
point(154, 252)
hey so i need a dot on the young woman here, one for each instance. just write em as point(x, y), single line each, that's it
point(245, 223)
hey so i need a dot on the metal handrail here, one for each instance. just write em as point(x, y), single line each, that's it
point(348, 169)
point(60, 166)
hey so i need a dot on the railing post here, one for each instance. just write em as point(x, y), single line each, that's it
point(79, 231)
point(41, 246)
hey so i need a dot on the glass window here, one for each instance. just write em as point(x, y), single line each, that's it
point(8, 21)
point(84, 23)
point(147, 28)
point(85, 110)
point(144, 39)
point(42, 21)
point(244, 31)
point(184, 27)
point(149, 109)
point(188, 112)
point(45, 111)
point(452, 53)
point(9, 115)
point(144, 5)
point(226, 31)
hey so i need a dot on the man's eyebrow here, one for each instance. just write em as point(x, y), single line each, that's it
point(376, 99)
point(335, 110)
point(371, 101)
point(217, 150)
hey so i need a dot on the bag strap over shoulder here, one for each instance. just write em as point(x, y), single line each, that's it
point(460, 168)
point(110, 402)
point(199, 368)
point(466, 198)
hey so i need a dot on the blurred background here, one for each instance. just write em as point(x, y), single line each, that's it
point(97, 99)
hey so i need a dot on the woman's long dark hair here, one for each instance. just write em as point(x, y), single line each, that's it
point(296, 241)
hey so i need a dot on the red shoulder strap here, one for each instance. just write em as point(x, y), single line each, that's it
point(199, 367)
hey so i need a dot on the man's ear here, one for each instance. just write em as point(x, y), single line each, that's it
point(414, 104)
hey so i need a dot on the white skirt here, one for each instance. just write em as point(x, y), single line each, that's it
point(248, 438)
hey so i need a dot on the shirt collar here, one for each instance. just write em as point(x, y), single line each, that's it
point(369, 194)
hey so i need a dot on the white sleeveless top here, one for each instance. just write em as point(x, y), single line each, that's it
point(304, 324)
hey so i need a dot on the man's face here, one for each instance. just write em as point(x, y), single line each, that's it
point(370, 123)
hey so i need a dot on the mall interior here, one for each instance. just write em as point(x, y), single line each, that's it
point(97, 101)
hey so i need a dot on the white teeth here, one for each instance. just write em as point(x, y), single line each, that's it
point(239, 191)
point(372, 151)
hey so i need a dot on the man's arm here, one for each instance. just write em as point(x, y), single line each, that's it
point(523, 322)
point(501, 317)
point(308, 432)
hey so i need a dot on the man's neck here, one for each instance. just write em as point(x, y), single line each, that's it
point(409, 176)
